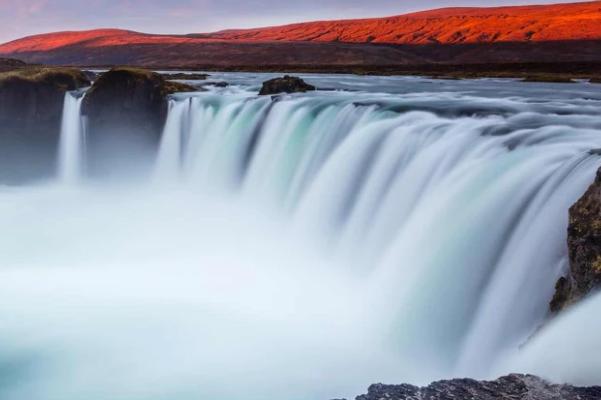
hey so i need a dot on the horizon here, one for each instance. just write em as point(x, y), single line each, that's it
point(31, 18)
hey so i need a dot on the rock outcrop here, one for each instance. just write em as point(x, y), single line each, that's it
point(584, 245)
point(31, 106)
point(512, 387)
point(126, 110)
point(287, 84)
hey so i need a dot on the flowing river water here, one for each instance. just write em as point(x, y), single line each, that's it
point(305, 246)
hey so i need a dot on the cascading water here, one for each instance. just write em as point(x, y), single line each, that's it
point(71, 139)
point(306, 245)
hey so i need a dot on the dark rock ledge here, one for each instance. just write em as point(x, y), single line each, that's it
point(31, 108)
point(511, 387)
point(584, 247)
point(130, 97)
point(126, 110)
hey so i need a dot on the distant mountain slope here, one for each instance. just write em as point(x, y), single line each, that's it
point(573, 21)
point(549, 33)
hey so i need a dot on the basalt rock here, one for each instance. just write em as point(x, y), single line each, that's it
point(31, 106)
point(584, 247)
point(511, 387)
point(287, 84)
point(126, 110)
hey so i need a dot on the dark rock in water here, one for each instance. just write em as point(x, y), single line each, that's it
point(185, 77)
point(584, 246)
point(219, 84)
point(512, 387)
point(287, 84)
point(126, 110)
point(31, 107)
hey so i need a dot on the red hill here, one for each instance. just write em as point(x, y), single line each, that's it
point(574, 21)
point(500, 34)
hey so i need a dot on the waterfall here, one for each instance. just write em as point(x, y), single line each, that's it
point(403, 197)
point(71, 139)
point(360, 237)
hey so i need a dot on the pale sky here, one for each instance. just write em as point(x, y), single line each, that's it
point(20, 18)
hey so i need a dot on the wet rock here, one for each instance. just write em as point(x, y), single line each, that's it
point(511, 387)
point(126, 110)
point(287, 84)
point(584, 247)
point(219, 84)
point(31, 107)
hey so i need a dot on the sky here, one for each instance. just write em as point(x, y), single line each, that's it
point(20, 18)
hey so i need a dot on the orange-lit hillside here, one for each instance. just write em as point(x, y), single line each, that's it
point(93, 38)
point(574, 21)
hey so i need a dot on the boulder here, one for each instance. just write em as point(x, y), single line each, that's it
point(220, 84)
point(514, 387)
point(126, 109)
point(31, 107)
point(584, 247)
point(287, 84)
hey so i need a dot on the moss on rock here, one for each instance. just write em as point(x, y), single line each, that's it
point(61, 78)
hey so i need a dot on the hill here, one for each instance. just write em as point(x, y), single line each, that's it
point(548, 33)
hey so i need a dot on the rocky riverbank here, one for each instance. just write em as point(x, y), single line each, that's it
point(511, 387)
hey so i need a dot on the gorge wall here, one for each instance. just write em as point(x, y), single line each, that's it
point(124, 102)
point(31, 106)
